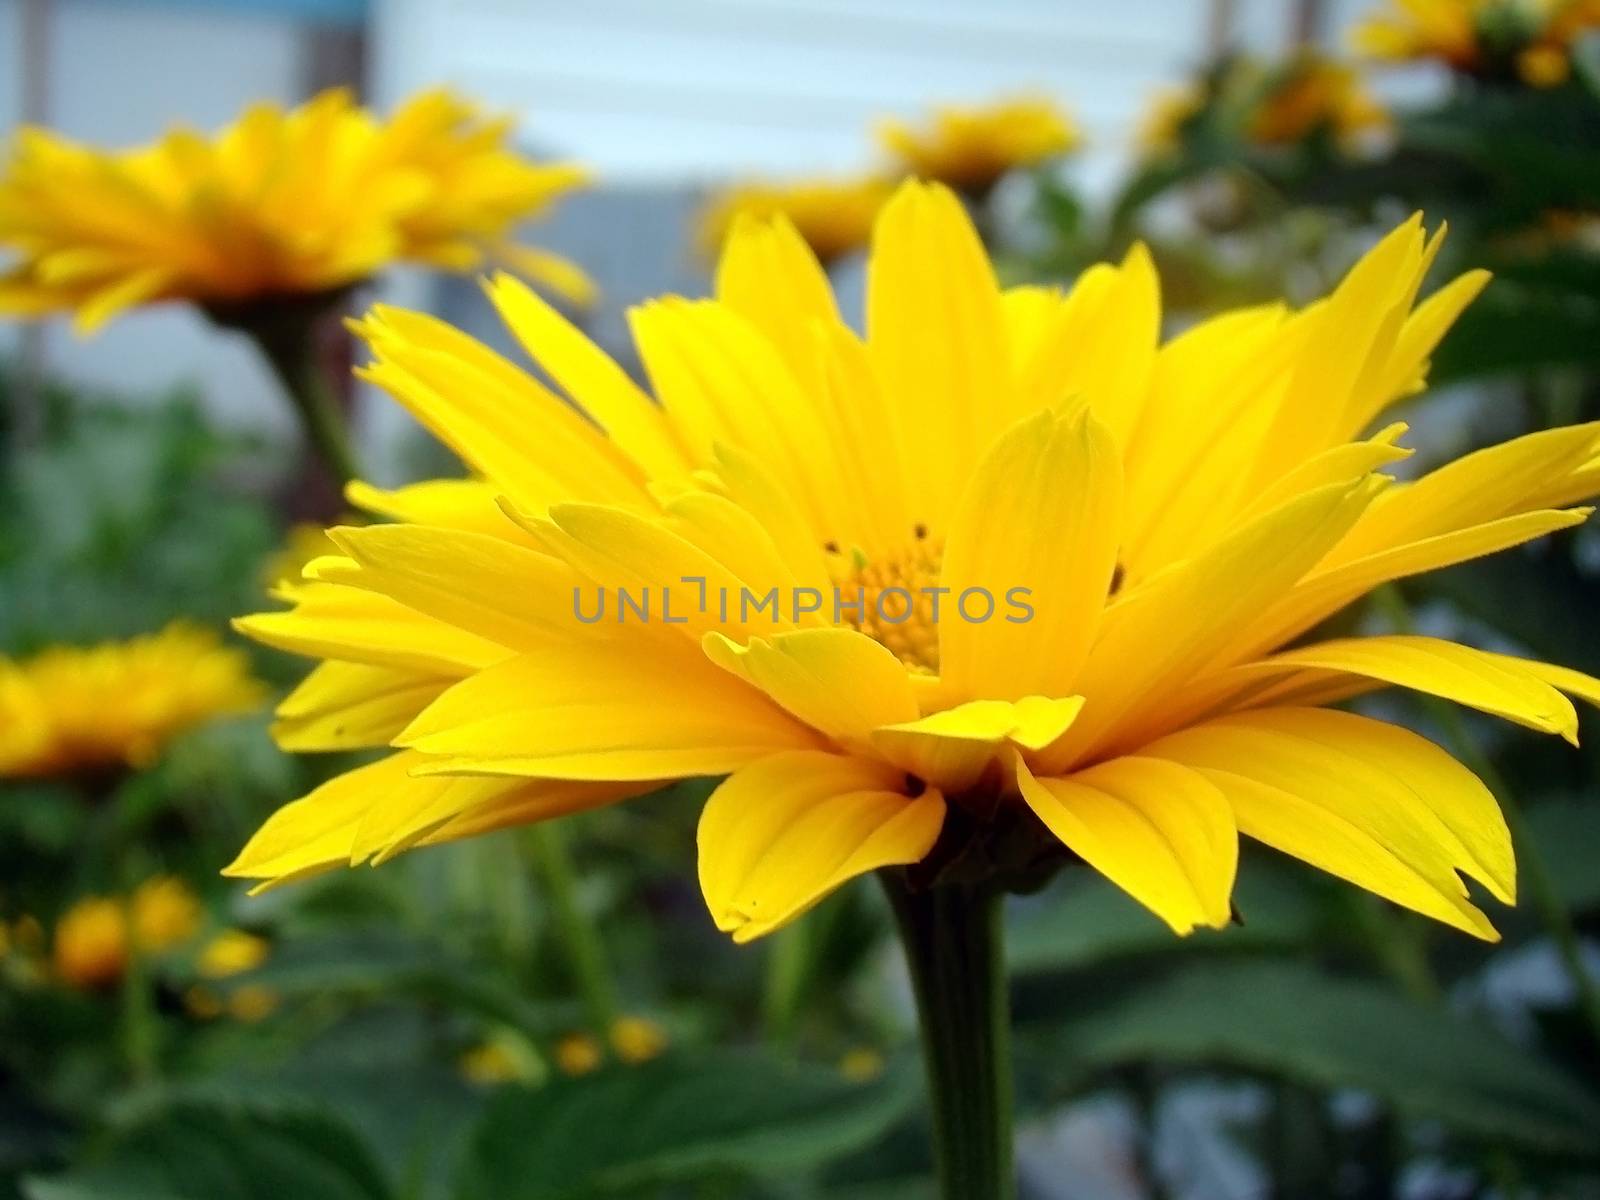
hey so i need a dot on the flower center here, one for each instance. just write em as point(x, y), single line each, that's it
point(898, 604)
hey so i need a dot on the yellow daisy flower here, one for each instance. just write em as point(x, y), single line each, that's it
point(834, 216)
point(1412, 29)
point(1270, 106)
point(1532, 38)
point(279, 204)
point(499, 1060)
point(970, 148)
point(1093, 547)
point(164, 912)
point(637, 1039)
point(80, 710)
point(94, 938)
point(578, 1054)
point(1313, 93)
point(231, 952)
point(90, 947)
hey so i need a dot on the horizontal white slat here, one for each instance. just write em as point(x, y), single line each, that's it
point(704, 89)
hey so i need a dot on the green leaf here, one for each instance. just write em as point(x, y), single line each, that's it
point(674, 1120)
point(1520, 326)
point(1295, 1022)
point(1567, 831)
point(1083, 919)
point(210, 1153)
point(375, 961)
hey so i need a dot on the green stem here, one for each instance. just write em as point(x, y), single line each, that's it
point(1398, 946)
point(290, 348)
point(580, 942)
point(786, 969)
point(953, 939)
point(139, 1030)
point(1541, 884)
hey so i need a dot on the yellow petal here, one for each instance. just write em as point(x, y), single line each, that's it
point(587, 374)
point(537, 800)
point(838, 681)
point(1161, 832)
point(1040, 521)
point(1348, 336)
point(769, 276)
point(1330, 587)
point(739, 543)
point(1576, 683)
point(782, 833)
point(561, 275)
point(1540, 470)
point(497, 417)
point(936, 337)
point(466, 504)
point(1213, 394)
point(704, 358)
point(1028, 312)
point(1491, 683)
point(126, 293)
point(645, 708)
point(747, 482)
point(486, 585)
point(1188, 618)
point(862, 425)
point(348, 706)
point(1347, 461)
point(685, 586)
point(381, 809)
point(1396, 791)
point(1420, 336)
point(353, 625)
point(952, 749)
point(1100, 347)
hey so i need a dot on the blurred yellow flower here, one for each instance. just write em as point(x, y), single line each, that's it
point(279, 204)
point(94, 937)
point(1270, 106)
point(1532, 38)
point(1145, 532)
point(578, 1054)
point(499, 1060)
point(1312, 93)
point(1543, 66)
point(861, 1064)
point(637, 1039)
point(90, 948)
point(165, 913)
point(83, 710)
point(1160, 129)
point(252, 1002)
point(970, 148)
point(834, 216)
point(231, 952)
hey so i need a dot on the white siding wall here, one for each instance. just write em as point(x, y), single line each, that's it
point(119, 72)
point(706, 89)
point(655, 94)
point(650, 90)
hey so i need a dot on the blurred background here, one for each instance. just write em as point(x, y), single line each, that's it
point(664, 103)
point(552, 1015)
